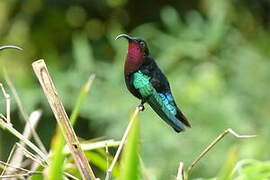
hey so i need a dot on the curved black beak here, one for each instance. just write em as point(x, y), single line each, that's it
point(10, 47)
point(124, 36)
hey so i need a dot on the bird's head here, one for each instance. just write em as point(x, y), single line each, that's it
point(135, 45)
point(137, 51)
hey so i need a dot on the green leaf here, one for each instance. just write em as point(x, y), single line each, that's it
point(252, 170)
point(99, 160)
point(37, 176)
point(130, 162)
point(226, 172)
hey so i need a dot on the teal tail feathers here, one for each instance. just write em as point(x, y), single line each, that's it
point(169, 113)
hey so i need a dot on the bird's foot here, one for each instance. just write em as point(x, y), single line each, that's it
point(141, 107)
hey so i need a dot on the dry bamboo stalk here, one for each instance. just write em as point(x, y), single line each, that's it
point(60, 114)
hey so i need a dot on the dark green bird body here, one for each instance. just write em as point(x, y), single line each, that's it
point(145, 80)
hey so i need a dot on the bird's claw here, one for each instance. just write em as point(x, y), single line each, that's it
point(141, 107)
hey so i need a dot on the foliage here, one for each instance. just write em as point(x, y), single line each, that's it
point(215, 55)
point(252, 169)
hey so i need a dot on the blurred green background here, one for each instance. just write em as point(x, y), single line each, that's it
point(215, 54)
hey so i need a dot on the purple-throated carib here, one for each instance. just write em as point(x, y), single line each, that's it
point(145, 80)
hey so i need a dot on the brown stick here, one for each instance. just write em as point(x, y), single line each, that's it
point(60, 114)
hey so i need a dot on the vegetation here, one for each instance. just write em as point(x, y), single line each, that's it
point(214, 52)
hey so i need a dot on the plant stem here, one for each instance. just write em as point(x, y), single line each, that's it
point(122, 142)
point(60, 114)
point(57, 162)
point(13, 131)
point(213, 143)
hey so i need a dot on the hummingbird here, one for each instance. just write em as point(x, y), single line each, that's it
point(145, 80)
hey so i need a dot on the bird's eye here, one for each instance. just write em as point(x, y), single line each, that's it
point(142, 44)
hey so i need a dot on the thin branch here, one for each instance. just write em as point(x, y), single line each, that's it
point(122, 142)
point(213, 143)
point(60, 114)
point(24, 113)
point(180, 173)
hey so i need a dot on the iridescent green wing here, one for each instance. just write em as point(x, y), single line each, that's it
point(159, 102)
